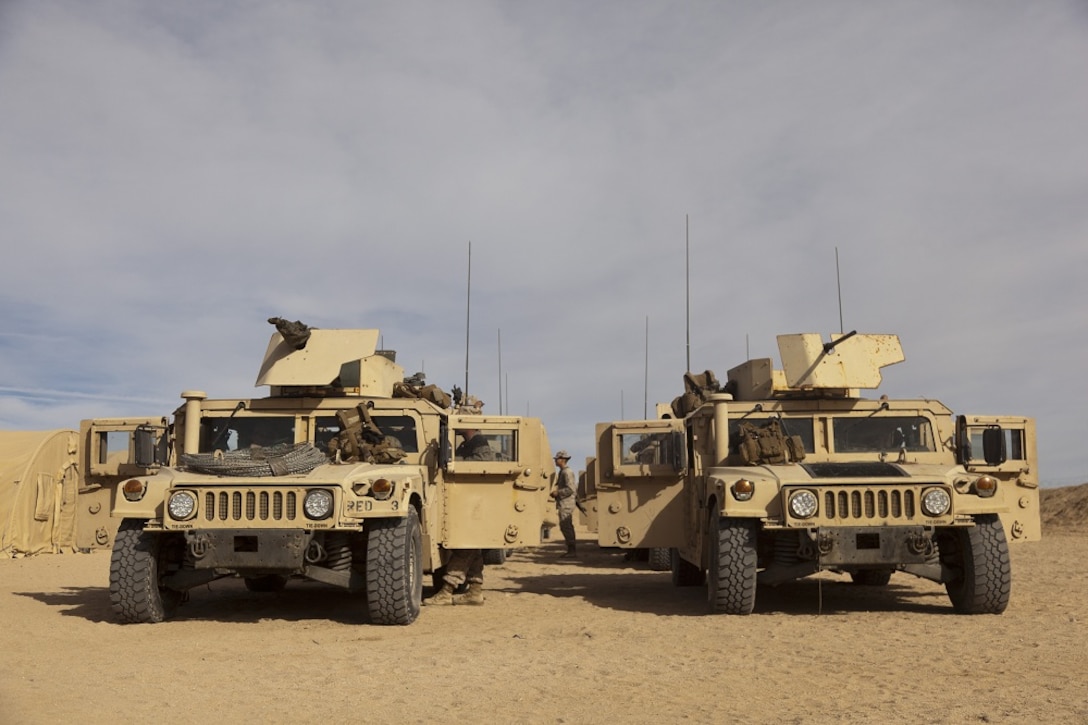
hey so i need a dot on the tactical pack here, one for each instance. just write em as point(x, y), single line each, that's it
point(768, 444)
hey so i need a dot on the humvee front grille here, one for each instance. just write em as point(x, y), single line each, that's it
point(251, 505)
point(863, 506)
point(867, 504)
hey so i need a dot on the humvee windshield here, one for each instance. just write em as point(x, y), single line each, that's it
point(232, 434)
point(401, 427)
point(790, 426)
point(875, 434)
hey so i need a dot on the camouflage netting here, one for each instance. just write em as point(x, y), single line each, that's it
point(279, 460)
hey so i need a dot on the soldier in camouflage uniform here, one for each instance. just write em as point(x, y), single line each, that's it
point(563, 493)
point(465, 565)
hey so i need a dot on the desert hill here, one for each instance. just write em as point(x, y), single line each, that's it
point(1064, 508)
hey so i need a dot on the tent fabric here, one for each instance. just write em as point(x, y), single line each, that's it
point(39, 485)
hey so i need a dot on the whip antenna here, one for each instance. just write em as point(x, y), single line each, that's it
point(838, 283)
point(468, 315)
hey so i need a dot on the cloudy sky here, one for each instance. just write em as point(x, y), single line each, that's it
point(172, 174)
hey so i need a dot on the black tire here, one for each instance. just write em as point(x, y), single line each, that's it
point(495, 557)
point(394, 576)
point(659, 559)
point(267, 583)
point(979, 556)
point(136, 566)
point(731, 575)
point(871, 577)
point(684, 573)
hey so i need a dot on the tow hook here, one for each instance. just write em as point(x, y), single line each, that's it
point(920, 544)
point(198, 544)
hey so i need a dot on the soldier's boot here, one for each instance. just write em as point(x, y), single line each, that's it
point(442, 596)
point(474, 594)
point(571, 552)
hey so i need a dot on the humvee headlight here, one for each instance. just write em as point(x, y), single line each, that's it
point(181, 505)
point(986, 486)
point(134, 489)
point(742, 489)
point(936, 502)
point(381, 489)
point(803, 504)
point(317, 504)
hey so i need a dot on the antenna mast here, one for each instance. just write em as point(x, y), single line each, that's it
point(687, 289)
point(838, 283)
point(646, 373)
point(468, 315)
point(500, 371)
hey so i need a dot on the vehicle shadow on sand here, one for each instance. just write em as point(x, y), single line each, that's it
point(605, 578)
point(224, 600)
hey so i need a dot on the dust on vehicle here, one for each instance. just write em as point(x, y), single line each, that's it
point(778, 474)
point(344, 474)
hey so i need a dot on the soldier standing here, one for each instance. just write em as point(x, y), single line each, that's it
point(563, 493)
point(465, 565)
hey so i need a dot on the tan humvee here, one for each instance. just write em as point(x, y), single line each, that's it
point(289, 486)
point(779, 474)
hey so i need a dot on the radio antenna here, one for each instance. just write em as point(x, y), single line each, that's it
point(687, 290)
point(646, 373)
point(500, 371)
point(838, 283)
point(468, 315)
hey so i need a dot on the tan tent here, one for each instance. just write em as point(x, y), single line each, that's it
point(39, 485)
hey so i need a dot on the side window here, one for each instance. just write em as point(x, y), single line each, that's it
point(645, 448)
point(1014, 444)
point(113, 444)
point(485, 445)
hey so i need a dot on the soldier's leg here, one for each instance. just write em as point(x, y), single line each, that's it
point(455, 575)
point(459, 567)
point(475, 577)
point(566, 525)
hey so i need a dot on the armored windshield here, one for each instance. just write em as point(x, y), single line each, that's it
point(791, 426)
point(232, 434)
point(401, 427)
point(879, 433)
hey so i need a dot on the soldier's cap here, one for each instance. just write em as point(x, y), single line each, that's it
point(563, 454)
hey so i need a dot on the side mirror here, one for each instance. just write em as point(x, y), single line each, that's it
point(679, 451)
point(445, 451)
point(144, 447)
point(993, 446)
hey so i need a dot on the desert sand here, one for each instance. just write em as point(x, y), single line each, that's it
point(593, 640)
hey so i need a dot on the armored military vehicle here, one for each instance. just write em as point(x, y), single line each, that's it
point(345, 474)
point(779, 474)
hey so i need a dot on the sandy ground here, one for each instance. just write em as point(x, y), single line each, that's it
point(596, 640)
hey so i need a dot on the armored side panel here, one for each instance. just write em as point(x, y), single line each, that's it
point(497, 499)
point(107, 457)
point(345, 359)
point(853, 363)
point(589, 512)
point(640, 468)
